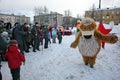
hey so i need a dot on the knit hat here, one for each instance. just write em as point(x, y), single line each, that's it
point(4, 33)
point(13, 42)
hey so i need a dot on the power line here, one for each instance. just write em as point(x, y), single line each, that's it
point(112, 2)
point(117, 3)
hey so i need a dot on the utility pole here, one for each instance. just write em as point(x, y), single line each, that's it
point(56, 20)
point(100, 11)
point(99, 4)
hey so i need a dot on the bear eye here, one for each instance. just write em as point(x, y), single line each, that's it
point(85, 28)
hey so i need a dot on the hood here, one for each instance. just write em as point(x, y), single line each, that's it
point(12, 48)
point(53, 29)
point(18, 26)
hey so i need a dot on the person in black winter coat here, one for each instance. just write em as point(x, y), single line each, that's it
point(36, 36)
point(59, 36)
point(2, 46)
point(0, 65)
point(46, 31)
point(27, 37)
point(0, 70)
point(1, 27)
point(18, 35)
point(2, 41)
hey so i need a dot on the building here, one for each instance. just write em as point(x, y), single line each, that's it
point(106, 15)
point(53, 19)
point(14, 18)
point(69, 21)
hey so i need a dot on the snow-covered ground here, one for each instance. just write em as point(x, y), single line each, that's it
point(60, 62)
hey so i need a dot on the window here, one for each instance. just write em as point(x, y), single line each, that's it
point(112, 16)
point(112, 12)
point(118, 12)
point(103, 17)
point(107, 14)
point(107, 17)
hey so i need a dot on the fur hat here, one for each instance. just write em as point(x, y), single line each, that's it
point(13, 42)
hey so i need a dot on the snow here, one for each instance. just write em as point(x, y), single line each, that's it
point(60, 62)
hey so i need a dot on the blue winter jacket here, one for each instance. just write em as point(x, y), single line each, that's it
point(54, 32)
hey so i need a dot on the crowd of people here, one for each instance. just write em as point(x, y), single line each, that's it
point(26, 37)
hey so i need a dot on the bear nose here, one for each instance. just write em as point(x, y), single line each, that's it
point(87, 36)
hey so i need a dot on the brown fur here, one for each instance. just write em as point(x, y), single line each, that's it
point(90, 27)
point(98, 36)
point(89, 60)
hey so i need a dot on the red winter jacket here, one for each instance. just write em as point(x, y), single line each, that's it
point(14, 57)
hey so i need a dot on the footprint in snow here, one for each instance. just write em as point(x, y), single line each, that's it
point(70, 77)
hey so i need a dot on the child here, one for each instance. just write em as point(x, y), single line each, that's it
point(4, 43)
point(14, 58)
point(54, 33)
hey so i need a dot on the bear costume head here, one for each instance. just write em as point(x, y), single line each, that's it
point(87, 27)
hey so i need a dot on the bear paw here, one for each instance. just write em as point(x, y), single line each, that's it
point(114, 39)
point(73, 45)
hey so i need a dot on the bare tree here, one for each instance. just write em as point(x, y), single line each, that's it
point(78, 16)
point(67, 12)
point(40, 10)
point(37, 10)
point(93, 11)
point(45, 10)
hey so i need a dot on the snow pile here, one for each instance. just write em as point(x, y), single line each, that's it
point(60, 62)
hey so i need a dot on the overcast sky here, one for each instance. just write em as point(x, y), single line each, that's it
point(75, 6)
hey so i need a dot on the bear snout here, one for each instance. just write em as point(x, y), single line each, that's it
point(87, 36)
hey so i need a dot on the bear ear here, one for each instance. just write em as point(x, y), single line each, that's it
point(81, 26)
point(94, 24)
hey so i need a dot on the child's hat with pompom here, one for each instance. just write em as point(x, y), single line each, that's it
point(13, 42)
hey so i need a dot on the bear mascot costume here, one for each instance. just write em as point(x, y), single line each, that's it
point(89, 40)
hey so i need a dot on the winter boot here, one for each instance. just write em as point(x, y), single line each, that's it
point(91, 66)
